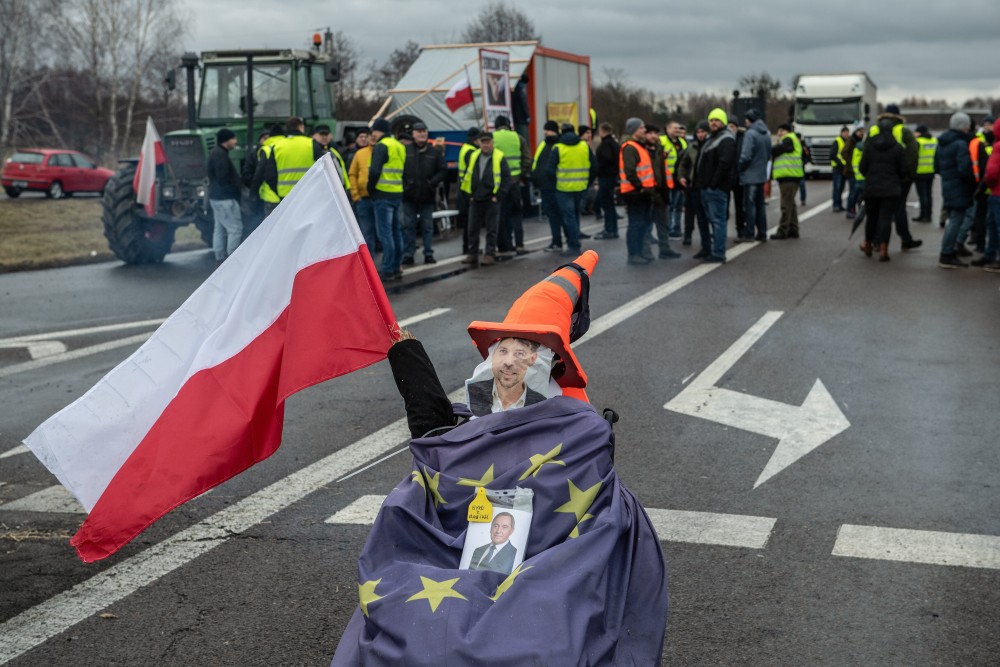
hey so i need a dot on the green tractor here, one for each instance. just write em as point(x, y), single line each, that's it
point(244, 90)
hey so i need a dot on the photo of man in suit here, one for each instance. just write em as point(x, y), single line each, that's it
point(511, 360)
point(499, 554)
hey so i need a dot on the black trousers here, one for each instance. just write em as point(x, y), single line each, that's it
point(483, 214)
point(878, 224)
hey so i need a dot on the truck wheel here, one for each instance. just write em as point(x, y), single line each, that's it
point(12, 192)
point(129, 236)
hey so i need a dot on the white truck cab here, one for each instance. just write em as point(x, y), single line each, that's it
point(824, 103)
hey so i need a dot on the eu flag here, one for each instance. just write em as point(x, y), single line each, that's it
point(592, 589)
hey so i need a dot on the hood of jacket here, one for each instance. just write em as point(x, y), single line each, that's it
point(569, 138)
point(895, 119)
point(949, 137)
point(758, 126)
point(884, 140)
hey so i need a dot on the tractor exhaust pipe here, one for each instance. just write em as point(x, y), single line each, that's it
point(190, 62)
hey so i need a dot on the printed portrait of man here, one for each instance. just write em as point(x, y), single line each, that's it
point(511, 360)
point(499, 554)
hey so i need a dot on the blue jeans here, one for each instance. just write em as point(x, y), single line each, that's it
point(570, 204)
point(802, 190)
point(959, 223)
point(838, 188)
point(390, 233)
point(755, 210)
point(411, 213)
point(640, 217)
point(992, 251)
point(364, 210)
point(715, 202)
point(606, 202)
point(228, 230)
point(676, 210)
point(550, 209)
point(511, 219)
point(855, 194)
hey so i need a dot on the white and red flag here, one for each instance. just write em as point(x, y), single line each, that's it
point(150, 157)
point(202, 400)
point(459, 95)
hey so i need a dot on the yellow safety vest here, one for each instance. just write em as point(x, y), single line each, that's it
point(573, 171)
point(264, 153)
point(672, 152)
point(897, 132)
point(837, 159)
point(473, 161)
point(463, 163)
point(789, 165)
point(391, 179)
point(538, 153)
point(508, 142)
point(925, 165)
point(856, 163)
point(293, 157)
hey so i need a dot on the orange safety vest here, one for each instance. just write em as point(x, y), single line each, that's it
point(644, 170)
point(974, 154)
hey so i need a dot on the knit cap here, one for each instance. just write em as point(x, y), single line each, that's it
point(633, 124)
point(960, 121)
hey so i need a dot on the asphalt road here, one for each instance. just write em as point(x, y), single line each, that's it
point(875, 543)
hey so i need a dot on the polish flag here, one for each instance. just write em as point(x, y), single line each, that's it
point(145, 176)
point(202, 400)
point(459, 95)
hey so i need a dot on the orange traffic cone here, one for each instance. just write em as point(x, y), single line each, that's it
point(545, 314)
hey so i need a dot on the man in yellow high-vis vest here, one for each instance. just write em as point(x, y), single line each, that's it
point(385, 187)
point(574, 171)
point(515, 150)
point(924, 180)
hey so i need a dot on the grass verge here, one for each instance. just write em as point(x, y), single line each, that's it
point(38, 233)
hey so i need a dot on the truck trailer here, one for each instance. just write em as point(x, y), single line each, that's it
point(824, 103)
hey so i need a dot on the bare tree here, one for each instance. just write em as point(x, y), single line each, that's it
point(387, 75)
point(498, 22)
point(760, 85)
point(117, 43)
point(25, 28)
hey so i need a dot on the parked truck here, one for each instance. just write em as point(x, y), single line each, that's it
point(824, 103)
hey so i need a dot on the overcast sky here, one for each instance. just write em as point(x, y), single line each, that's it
point(908, 47)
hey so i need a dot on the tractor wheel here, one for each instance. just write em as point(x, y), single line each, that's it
point(130, 237)
point(13, 192)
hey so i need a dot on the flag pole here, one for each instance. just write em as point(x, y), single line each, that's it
point(475, 111)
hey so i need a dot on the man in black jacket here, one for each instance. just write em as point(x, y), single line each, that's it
point(714, 176)
point(547, 185)
point(423, 171)
point(485, 193)
point(224, 196)
point(607, 179)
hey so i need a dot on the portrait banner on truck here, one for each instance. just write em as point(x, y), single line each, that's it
point(494, 69)
point(563, 112)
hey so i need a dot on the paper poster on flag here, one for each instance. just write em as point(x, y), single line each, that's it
point(494, 70)
point(299, 302)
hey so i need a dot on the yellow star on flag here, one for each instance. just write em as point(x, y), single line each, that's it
point(366, 592)
point(506, 583)
point(432, 486)
point(538, 460)
point(435, 591)
point(486, 479)
point(579, 503)
point(419, 479)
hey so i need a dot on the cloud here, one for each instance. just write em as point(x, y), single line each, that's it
point(933, 50)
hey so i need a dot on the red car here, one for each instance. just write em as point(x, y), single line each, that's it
point(56, 172)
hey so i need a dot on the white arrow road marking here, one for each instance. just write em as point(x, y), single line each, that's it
point(798, 429)
point(730, 530)
point(918, 546)
point(55, 499)
point(20, 449)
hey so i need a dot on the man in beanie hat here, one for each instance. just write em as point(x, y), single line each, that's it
point(357, 173)
point(958, 186)
point(385, 187)
point(573, 170)
point(755, 154)
point(638, 187)
point(485, 182)
point(515, 150)
point(465, 151)
point(714, 175)
point(786, 168)
point(693, 211)
point(547, 185)
point(606, 157)
point(911, 150)
point(224, 196)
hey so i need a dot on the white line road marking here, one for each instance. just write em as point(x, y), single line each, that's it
point(918, 546)
point(36, 350)
point(361, 512)
point(798, 429)
point(104, 328)
point(64, 610)
point(410, 321)
point(20, 449)
point(14, 369)
point(55, 499)
point(730, 530)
